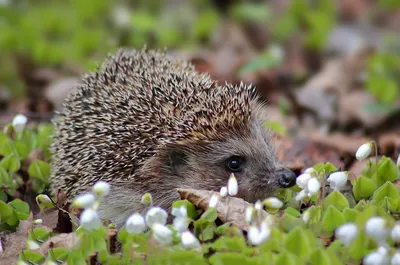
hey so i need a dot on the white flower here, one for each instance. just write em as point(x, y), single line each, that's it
point(395, 259)
point(179, 212)
point(338, 180)
point(49, 262)
point(213, 201)
point(224, 191)
point(156, 215)
point(378, 257)
point(19, 122)
point(162, 234)
point(146, 199)
point(135, 224)
point(101, 188)
point(232, 185)
point(258, 206)
point(180, 224)
point(189, 240)
point(90, 219)
point(250, 212)
point(347, 233)
point(32, 244)
point(180, 220)
point(86, 200)
point(363, 151)
point(395, 233)
point(306, 216)
point(38, 222)
point(258, 235)
point(301, 195)
point(273, 203)
point(42, 198)
point(398, 161)
point(313, 186)
point(122, 17)
point(376, 228)
point(302, 180)
point(276, 51)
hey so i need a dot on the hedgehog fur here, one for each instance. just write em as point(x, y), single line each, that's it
point(146, 122)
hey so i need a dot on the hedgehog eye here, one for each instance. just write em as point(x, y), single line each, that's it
point(235, 163)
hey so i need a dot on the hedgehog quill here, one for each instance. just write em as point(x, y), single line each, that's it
point(145, 122)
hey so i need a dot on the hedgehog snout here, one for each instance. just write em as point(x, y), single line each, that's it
point(286, 178)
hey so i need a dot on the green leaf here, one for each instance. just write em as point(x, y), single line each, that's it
point(336, 199)
point(224, 243)
point(332, 219)
point(386, 190)
point(22, 150)
point(292, 212)
point(297, 242)
point(350, 214)
point(363, 188)
point(359, 247)
point(320, 257)
point(10, 163)
point(31, 256)
point(21, 207)
point(58, 254)
point(209, 215)
point(40, 170)
point(39, 234)
point(5, 211)
point(387, 170)
point(287, 258)
point(325, 168)
point(235, 259)
point(3, 196)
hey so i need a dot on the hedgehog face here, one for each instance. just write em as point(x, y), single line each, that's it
point(249, 156)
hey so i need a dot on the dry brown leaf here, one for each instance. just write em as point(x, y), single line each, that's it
point(65, 240)
point(229, 209)
point(344, 144)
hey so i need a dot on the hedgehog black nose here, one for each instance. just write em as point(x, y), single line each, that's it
point(287, 178)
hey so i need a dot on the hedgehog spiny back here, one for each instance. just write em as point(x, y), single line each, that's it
point(137, 102)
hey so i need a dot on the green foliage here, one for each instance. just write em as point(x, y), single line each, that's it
point(383, 78)
point(14, 150)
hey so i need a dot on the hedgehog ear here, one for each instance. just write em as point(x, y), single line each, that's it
point(176, 158)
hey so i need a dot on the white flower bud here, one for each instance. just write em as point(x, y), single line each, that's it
point(395, 233)
point(250, 212)
point(302, 180)
point(161, 234)
point(363, 151)
point(338, 180)
point(156, 215)
point(213, 201)
point(258, 206)
point(101, 188)
point(273, 203)
point(180, 224)
point(90, 220)
point(49, 262)
point(347, 233)
point(258, 235)
point(85, 201)
point(179, 212)
point(378, 257)
point(38, 222)
point(395, 259)
point(313, 186)
point(189, 241)
point(301, 195)
point(42, 198)
point(224, 191)
point(306, 216)
point(232, 185)
point(19, 122)
point(147, 199)
point(398, 161)
point(135, 224)
point(376, 228)
point(30, 244)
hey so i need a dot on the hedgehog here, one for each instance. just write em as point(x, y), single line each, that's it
point(146, 122)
